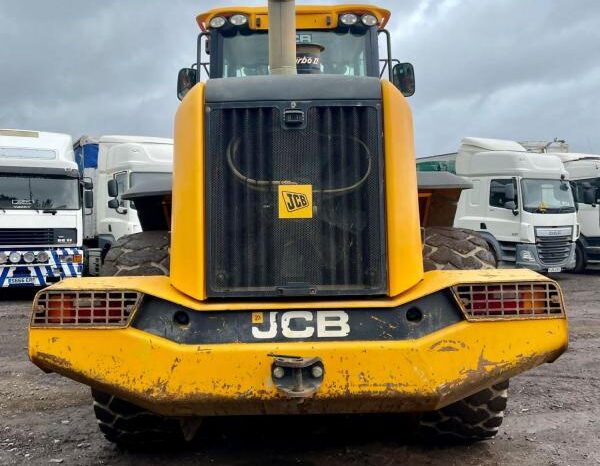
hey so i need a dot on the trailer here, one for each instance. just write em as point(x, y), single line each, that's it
point(41, 232)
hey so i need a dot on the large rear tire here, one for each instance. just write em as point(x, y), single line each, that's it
point(128, 425)
point(472, 419)
point(478, 416)
point(120, 421)
point(447, 248)
point(140, 254)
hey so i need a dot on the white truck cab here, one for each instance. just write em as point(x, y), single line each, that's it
point(584, 174)
point(41, 231)
point(521, 203)
point(123, 162)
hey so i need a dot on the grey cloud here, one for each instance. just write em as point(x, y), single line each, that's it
point(504, 68)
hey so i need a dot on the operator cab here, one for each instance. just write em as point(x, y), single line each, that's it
point(343, 41)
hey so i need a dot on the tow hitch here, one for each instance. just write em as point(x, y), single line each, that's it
point(297, 377)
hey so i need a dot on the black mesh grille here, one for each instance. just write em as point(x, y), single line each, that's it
point(554, 249)
point(252, 252)
point(26, 236)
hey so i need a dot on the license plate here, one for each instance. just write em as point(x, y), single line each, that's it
point(21, 281)
point(554, 269)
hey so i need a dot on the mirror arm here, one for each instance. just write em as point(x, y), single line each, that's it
point(388, 39)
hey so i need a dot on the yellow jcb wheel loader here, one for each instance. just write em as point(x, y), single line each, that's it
point(294, 234)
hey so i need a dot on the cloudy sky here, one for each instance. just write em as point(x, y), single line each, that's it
point(515, 69)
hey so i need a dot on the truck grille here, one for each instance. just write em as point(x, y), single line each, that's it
point(36, 236)
point(252, 251)
point(554, 249)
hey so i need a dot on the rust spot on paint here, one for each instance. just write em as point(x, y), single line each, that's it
point(54, 360)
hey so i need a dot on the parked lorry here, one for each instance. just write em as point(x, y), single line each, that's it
point(584, 174)
point(117, 164)
point(293, 230)
point(41, 233)
point(521, 202)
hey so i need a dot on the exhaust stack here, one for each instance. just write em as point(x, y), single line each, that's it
point(282, 36)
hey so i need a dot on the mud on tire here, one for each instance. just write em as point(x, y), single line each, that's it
point(447, 248)
point(129, 425)
point(474, 418)
point(145, 253)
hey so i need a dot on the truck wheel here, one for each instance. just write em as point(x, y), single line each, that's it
point(447, 248)
point(474, 418)
point(579, 259)
point(145, 253)
point(129, 425)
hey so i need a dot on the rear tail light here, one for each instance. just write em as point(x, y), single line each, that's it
point(84, 308)
point(510, 300)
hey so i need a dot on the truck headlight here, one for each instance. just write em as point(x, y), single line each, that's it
point(527, 256)
point(29, 257)
point(3, 257)
point(68, 259)
point(15, 257)
point(43, 257)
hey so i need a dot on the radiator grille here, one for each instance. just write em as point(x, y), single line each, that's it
point(251, 251)
point(84, 308)
point(554, 249)
point(510, 300)
point(35, 236)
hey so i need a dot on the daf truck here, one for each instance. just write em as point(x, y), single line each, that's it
point(521, 203)
point(41, 231)
point(118, 164)
point(584, 172)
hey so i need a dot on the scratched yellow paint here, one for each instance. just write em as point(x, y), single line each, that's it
point(190, 379)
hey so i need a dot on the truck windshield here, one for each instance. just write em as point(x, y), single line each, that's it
point(547, 196)
point(18, 192)
point(345, 53)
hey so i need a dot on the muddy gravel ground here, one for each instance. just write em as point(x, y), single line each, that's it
point(553, 416)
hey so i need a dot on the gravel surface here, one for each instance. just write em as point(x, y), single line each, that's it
point(553, 416)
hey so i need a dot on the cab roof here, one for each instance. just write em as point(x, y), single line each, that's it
point(307, 16)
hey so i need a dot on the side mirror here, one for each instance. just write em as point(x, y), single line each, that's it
point(87, 184)
point(88, 199)
point(403, 77)
point(512, 205)
point(186, 79)
point(113, 204)
point(113, 188)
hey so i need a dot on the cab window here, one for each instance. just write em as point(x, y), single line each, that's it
point(498, 190)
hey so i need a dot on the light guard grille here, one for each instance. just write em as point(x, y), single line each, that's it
point(510, 300)
point(84, 308)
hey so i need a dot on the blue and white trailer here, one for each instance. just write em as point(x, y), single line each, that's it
point(41, 216)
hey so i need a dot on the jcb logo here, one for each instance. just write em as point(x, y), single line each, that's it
point(302, 324)
point(295, 201)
